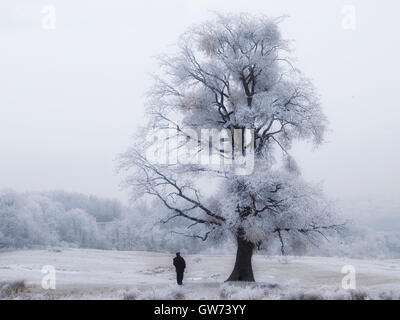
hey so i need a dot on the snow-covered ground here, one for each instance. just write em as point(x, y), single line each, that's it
point(97, 274)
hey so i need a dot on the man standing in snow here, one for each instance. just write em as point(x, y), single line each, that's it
point(180, 266)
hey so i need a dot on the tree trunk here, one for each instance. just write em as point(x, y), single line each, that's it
point(243, 270)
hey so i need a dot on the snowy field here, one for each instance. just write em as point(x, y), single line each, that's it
point(97, 274)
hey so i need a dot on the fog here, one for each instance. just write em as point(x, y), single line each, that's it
point(71, 97)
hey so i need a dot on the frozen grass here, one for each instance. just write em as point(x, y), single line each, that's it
point(222, 291)
point(97, 274)
point(264, 291)
point(12, 289)
point(170, 292)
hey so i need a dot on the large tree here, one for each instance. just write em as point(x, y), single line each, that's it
point(233, 74)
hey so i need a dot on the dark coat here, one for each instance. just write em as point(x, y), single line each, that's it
point(179, 264)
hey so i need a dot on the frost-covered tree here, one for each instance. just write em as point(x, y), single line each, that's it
point(232, 74)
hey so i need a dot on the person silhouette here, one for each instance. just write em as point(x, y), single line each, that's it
point(180, 266)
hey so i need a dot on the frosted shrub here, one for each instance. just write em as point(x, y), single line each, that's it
point(9, 290)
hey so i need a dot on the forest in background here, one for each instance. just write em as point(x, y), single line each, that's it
point(61, 219)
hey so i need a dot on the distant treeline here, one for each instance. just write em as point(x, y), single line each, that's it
point(62, 219)
point(57, 218)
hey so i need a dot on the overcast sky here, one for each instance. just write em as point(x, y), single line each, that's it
point(71, 97)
